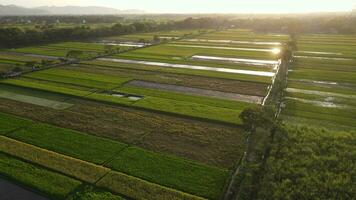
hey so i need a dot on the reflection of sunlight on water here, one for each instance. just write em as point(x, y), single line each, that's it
point(276, 51)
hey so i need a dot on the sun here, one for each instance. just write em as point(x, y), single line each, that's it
point(276, 51)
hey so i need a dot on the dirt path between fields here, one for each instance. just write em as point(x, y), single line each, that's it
point(10, 191)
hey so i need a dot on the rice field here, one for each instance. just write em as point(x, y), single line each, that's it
point(153, 122)
point(61, 50)
point(321, 88)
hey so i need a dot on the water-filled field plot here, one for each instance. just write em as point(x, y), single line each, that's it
point(322, 87)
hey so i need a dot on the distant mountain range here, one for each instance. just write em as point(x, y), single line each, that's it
point(65, 10)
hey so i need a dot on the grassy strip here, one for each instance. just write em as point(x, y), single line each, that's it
point(42, 51)
point(53, 184)
point(187, 176)
point(344, 112)
point(167, 51)
point(46, 86)
point(89, 193)
point(35, 100)
point(190, 109)
point(69, 142)
point(84, 75)
point(140, 189)
point(79, 78)
point(75, 168)
point(322, 75)
point(185, 97)
point(10, 123)
point(315, 87)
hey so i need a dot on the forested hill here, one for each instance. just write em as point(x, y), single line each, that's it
point(12, 10)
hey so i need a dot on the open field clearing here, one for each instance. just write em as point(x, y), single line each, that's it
point(322, 84)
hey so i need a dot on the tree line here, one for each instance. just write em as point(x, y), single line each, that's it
point(15, 37)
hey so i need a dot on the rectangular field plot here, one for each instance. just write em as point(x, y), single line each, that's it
point(34, 100)
point(322, 86)
point(184, 175)
point(15, 62)
point(10, 123)
point(191, 139)
point(205, 181)
point(186, 70)
point(89, 80)
point(61, 49)
point(65, 141)
point(145, 73)
point(196, 91)
point(54, 185)
point(243, 35)
point(180, 52)
point(149, 37)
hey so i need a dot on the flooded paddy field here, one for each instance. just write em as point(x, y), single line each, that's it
point(137, 116)
point(322, 83)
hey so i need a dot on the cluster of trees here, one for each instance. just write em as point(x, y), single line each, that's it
point(309, 163)
point(329, 24)
point(15, 37)
point(53, 19)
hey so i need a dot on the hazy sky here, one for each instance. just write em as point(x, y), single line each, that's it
point(203, 6)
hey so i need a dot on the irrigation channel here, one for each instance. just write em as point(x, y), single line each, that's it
point(10, 191)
